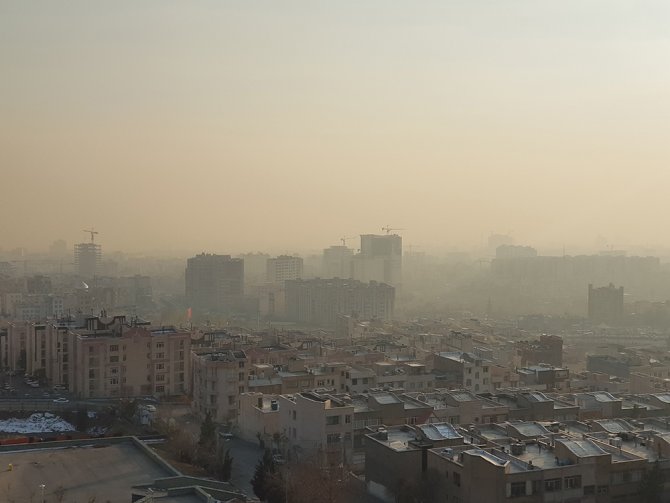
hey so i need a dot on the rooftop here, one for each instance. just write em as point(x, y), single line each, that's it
point(101, 470)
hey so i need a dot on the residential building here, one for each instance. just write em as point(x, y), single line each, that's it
point(380, 259)
point(459, 369)
point(605, 304)
point(337, 262)
point(320, 301)
point(214, 282)
point(87, 259)
point(283, 268)
point(219, 378)
point(317, 425)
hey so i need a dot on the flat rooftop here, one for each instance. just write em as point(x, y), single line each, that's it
point(104, 471)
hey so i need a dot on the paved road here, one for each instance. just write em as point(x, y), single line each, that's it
point(245, 458)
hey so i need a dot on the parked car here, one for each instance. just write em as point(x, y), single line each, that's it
point(61, 400)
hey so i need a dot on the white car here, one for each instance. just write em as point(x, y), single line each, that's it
point(34, 384)
point(61, 400)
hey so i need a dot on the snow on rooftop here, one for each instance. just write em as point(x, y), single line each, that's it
point(36, 423)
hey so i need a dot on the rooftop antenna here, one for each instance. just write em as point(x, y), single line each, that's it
point(92, 232)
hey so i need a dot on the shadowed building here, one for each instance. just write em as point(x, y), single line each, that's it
point(606, 304)
point(214, 282)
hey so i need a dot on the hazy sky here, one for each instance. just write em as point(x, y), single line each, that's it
point(231, 126)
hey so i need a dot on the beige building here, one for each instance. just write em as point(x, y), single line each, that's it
point(111, 358)
point(317, 425)
point(102, 357)
point(464, 370)
point(219, 377)
point(283, 268)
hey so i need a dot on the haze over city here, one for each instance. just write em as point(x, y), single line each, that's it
point(286, 125)
point(298, 251)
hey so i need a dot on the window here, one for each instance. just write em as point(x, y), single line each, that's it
point(485, 370)
point(354, 382)
point(333, 438)
point(240, 376)
point(537, 486)
point(160, 377)
point(114, 370)
point(294, 415)
point(552, 485)
point(588, 490)
point(468, 382)
point(231, 399)
point(114, 380)
point(347, 419)
point(114, 347)
point(160, 345)
point(160, 389)
point(160, 366)
point(160, 356)
point(457, 479)
point(470, 370)
point(91, 374)
point(113, 359)
point(603, 489)
point(517, 489)
point(332, 420)
point(573, 482)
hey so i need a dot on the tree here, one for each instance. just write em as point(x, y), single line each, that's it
point(208, 433)
point(226, 466)
point(261, 479)
point(651, 485)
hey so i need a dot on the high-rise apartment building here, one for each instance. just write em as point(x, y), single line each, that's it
point(605, 304)
point(283, 268)
point(321, 301)
point(337, 262)
point(214, 282)
point(87, 258)
point(380, 259)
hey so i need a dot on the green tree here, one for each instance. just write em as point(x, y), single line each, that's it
point(208, 433)
point(651, 485)
point(261, 481)
point(226, 466)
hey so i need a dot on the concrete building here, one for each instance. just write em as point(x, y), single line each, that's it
point(214, 282)
point(87, 259)
point(102, 357)
point(459, 369)
point(283, 268)
point(605, 304)
point(462, 407)
point(321, 301)
point(219, 377)
point(316, 424)
point(545, 377)
point(110, 358)
point(337, 262)
point(380, 259)
point(548, 349)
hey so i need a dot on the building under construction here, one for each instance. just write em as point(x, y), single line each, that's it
point(87, 257)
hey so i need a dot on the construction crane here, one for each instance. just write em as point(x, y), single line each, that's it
point(93, 233)
point(344, 240)
point(389, 229)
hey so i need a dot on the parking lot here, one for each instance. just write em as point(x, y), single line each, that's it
point(15, 386)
